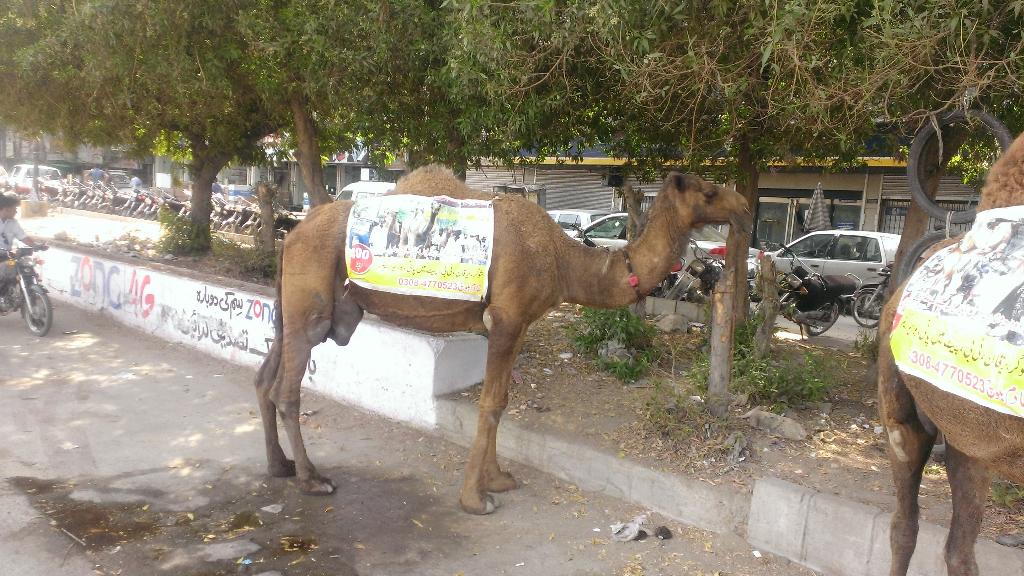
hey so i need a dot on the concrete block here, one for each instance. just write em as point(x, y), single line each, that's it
point(778, 517)
point(692, 312)
point(842, 538)
point(838, 536)
point(384, 369)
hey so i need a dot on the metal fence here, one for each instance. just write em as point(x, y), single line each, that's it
point(894, 215)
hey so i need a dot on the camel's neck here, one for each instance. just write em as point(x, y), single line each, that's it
point(597, 277)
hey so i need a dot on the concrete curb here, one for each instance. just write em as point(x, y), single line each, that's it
point(832, 535)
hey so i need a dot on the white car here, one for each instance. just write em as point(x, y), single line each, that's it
point(610, 232)
point(570, 219)
point(20, 178)
point(841, 252)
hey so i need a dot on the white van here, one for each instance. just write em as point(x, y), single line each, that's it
point(365, 189)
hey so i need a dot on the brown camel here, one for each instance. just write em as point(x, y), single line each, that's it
point(535, 267)
point(979, 441)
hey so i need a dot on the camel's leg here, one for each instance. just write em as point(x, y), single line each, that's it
point(910, 443)
point(969, 481)
point(505, 338)
point(285, 396)
point(277, 464)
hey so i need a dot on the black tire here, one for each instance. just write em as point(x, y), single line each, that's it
point(40, 322)
point(915, 160)
point(817, 329)
point(867, 308)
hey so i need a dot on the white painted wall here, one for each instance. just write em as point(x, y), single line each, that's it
point(388, 370)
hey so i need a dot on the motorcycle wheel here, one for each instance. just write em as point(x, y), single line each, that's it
point(867, 308)
point(40, 318)
point(819, 328)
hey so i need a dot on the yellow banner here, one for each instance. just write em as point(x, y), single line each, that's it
point(960, 360)
point(421, 245)
point(960, 322)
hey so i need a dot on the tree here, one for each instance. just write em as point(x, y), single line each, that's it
point(936, 57)
point(156, 72)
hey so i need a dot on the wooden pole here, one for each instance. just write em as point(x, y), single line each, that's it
point(769, 307)
point(722, 319)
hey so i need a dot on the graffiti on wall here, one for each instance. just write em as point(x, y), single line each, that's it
point(109, 285)
point(236, 305)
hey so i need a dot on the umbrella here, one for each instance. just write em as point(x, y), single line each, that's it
point(817, 217)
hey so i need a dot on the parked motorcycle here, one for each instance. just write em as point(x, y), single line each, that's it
point(868, 301)
point(699, 281)
point(812, 300)
point(21, 290)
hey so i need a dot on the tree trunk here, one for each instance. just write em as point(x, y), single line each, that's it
point(205, 166)
point(738, 241)
point(632, 199)
point(930, 173)
point(769, 307)
point(721, 346)
point(308, 151)
point(265, 194)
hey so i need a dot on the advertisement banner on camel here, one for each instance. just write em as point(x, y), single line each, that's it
point(960, 322)
point(421, 245)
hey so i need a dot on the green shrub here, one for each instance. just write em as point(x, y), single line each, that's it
point(1007, 494)
point(768, 381)
point(246, 259)
point(180, 236)
point(596, 326)
point(866, 344)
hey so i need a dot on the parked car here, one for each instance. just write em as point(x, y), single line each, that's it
point(3, 178)
point(365, 189)
point(20, 177)
point(840, 252)
point(610, 231)
point(570, 219)
point(119, 178)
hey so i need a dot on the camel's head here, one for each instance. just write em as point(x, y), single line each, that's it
point(695, 202)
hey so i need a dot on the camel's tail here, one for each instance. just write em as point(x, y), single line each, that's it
point(267, 374)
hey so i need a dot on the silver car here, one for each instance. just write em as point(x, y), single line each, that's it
point(610, 232)
point(840, 252)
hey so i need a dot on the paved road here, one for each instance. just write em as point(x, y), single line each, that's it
point(124, 455)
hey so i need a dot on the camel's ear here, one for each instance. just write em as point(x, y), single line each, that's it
point(678, 181)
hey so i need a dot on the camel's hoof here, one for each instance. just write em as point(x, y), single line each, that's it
point(282, 469)
point(317, 486)
point(503, 482)
point(481, 506)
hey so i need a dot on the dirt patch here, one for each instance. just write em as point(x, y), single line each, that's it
point(845, 453)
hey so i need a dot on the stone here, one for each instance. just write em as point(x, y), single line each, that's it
point(1012, 540)
point(672, 323)
point(775, 424)
point(227, 550)
point(613, 350)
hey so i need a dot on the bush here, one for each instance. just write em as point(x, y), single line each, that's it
point(768, 381)
point(246, 259)
point(1007, 494)
point(596, 326)
point(866, 344)
point(180, 236)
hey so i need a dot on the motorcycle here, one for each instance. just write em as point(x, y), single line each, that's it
point(868, 301)
point(699, 281)
point(21, 289)
point(814, 301)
